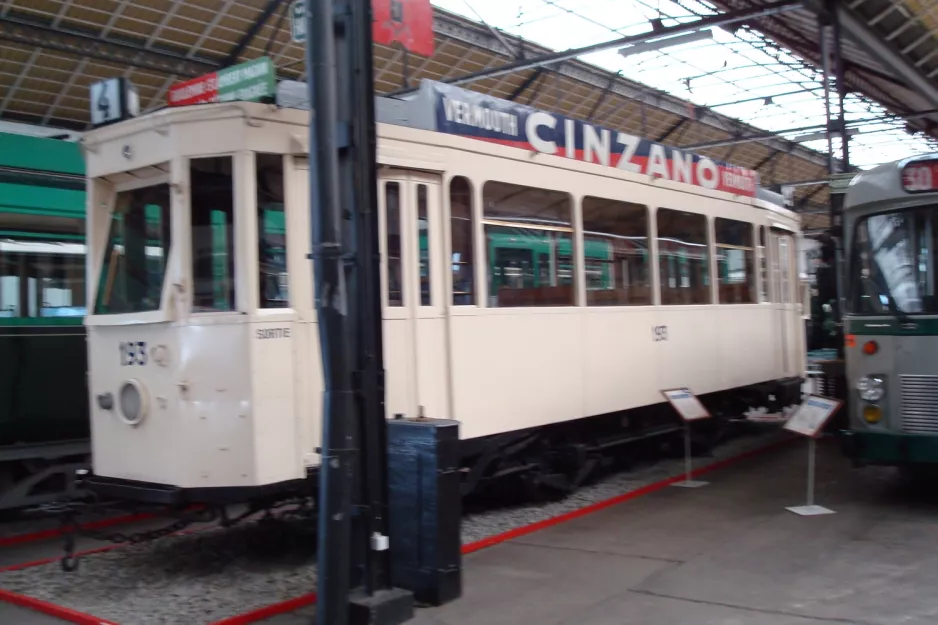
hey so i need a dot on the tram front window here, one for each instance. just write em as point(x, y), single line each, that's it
point(893, 263)
point(134, 265)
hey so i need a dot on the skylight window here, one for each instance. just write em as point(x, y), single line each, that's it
point(738, 73)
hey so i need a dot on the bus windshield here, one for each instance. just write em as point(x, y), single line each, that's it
point(138, 246)
point(893, 263)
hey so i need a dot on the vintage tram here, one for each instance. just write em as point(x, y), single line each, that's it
point(542, 280)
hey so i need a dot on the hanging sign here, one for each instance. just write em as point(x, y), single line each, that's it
point(686, 404)
point(471, 114)
point(407, 22)
point(812, 415)
point(298, 21)
point(244, 82)
point(113, 100)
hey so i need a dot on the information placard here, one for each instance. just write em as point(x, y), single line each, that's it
point(686, 404)
point(813, 414)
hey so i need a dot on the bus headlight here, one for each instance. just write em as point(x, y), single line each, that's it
point(872, 388)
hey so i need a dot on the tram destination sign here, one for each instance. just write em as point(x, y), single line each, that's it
point(248, 81)
point(470, 114)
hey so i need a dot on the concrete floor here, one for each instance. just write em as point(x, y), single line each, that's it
point(725, 554)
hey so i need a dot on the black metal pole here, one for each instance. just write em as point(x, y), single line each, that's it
point(826, 77)
point(371, 387)
point(354, 560)
point(338, 432)
point(841, 84)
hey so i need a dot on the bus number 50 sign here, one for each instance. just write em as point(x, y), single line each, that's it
point(919, 177)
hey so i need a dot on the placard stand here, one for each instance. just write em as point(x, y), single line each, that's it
point(809, 421)
point(689, 407)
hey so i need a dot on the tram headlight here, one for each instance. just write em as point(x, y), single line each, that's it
point(132, 402)
point(872, 388)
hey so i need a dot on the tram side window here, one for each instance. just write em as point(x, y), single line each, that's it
point(615, 248)
point(272, 231)
point(423, 237)
point(529, 246)
point(683, 257)
point(42, 277)
point(135, 259)
point(392, 192)
point(212, 215)
point(784, 259)
point(763, 267)
point(735, 262)
point(461, 238)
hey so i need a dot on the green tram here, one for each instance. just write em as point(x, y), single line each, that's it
point(891, 319)
point(43, 397)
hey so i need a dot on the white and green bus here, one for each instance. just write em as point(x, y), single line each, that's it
point(891, 321)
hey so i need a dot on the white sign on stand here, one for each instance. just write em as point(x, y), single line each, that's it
point(689, 407)
point(809, 421)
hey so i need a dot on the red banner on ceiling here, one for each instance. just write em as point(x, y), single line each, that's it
point(408, 22)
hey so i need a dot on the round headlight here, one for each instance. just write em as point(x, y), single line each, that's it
point(132, 401)
point(871, 388)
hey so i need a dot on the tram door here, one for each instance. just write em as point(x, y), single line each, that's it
point(782, 295)
point(412, 275)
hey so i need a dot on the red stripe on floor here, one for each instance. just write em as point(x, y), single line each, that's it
point(269, 611)
point(57, 611)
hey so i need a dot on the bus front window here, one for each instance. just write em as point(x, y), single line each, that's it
point(893, 263)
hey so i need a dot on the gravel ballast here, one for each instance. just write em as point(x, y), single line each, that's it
point(200, 578)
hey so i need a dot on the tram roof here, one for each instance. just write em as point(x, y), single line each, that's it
point(54, 50)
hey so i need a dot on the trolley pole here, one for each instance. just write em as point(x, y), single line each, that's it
point(354, 562)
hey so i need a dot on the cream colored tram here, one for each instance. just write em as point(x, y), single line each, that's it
point(521, 290)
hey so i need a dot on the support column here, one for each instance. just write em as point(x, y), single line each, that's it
point(841, 83)
point(354, 562)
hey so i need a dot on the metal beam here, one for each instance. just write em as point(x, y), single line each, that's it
point(762, 98)
point(602, 96)
point(670, 131)
point(720, 19)
point(76, 43)
point(773, 154)
point(803, 202)
point(248, 37)
point(864, 36)
point(530, 80)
